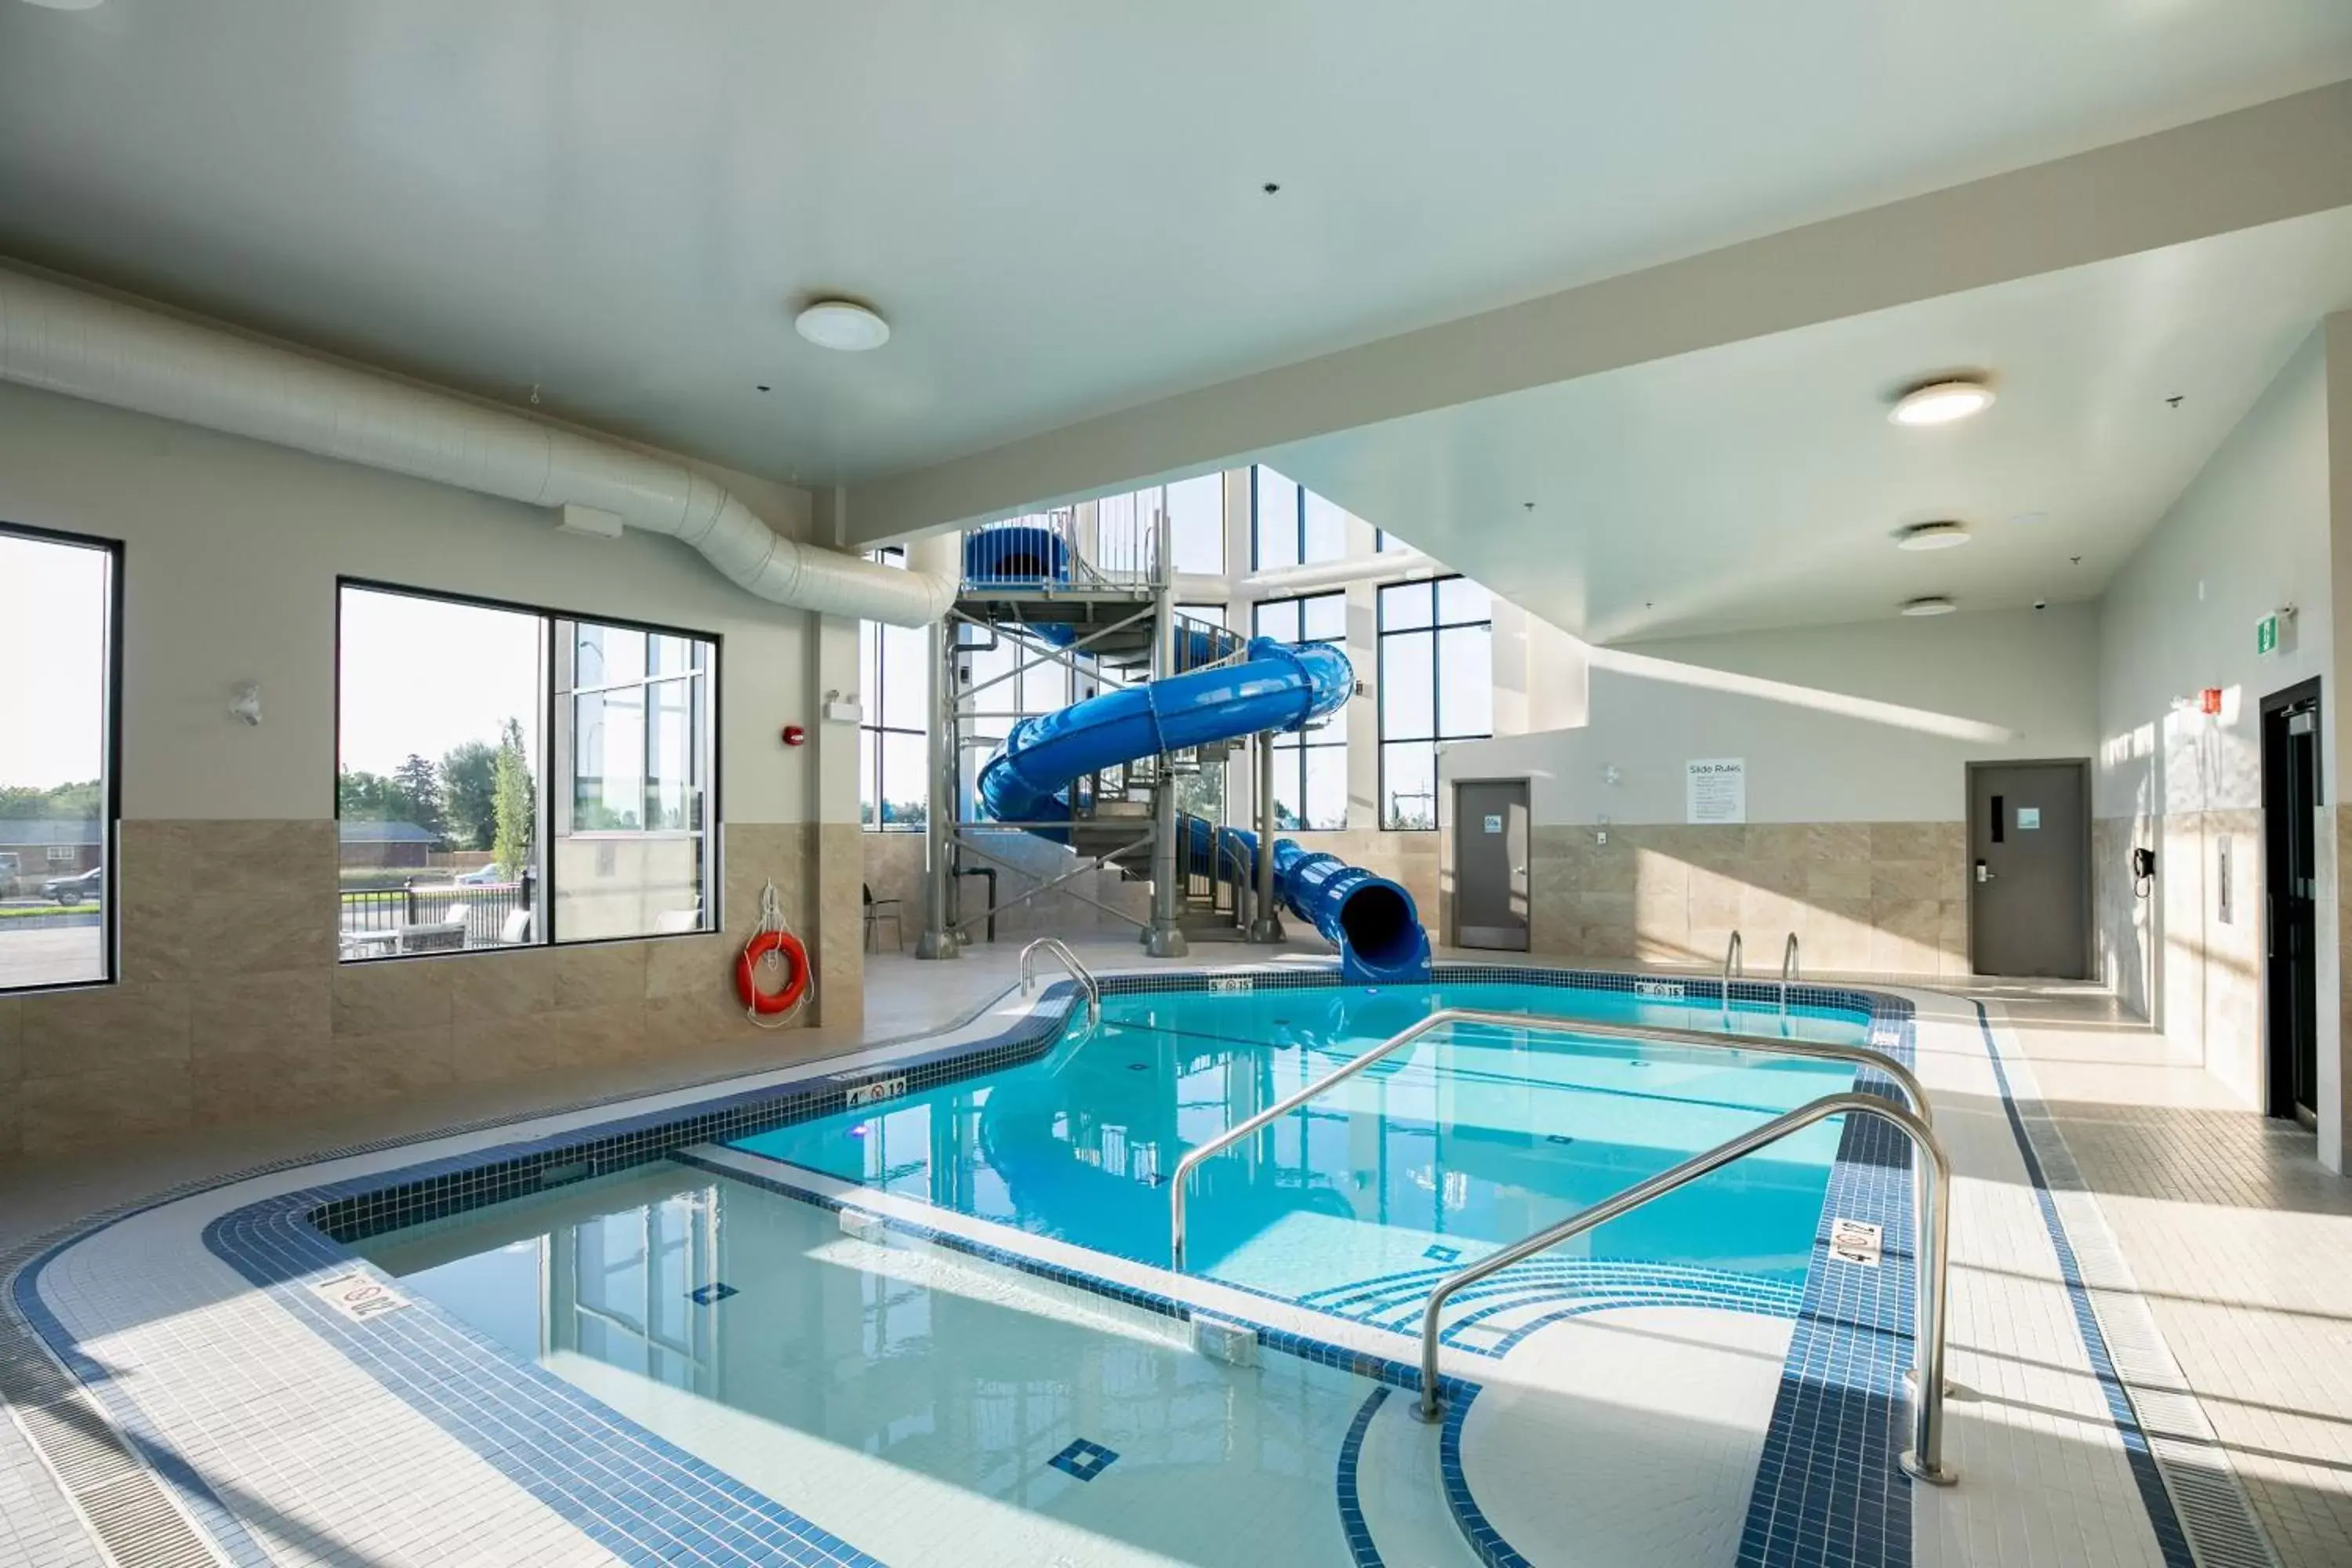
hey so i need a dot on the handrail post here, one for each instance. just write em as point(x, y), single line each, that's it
point(1734, 961)
point(1788, 970)
point(1924, 1457)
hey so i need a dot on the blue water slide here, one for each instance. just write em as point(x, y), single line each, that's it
point(1274, 686)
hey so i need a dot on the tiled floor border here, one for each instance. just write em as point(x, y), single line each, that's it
point(2195, 1505)
point(363, 1206)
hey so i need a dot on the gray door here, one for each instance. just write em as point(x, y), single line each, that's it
point(2029, 870)
point(1490, 865)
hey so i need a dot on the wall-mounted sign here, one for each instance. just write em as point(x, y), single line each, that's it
point(1716, 789)
point(1493, 825)
point(2266, 635)
point(2028, 819)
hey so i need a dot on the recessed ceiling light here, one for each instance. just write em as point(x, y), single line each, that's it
point(1932, 536)
point(1933, 604)
point(843, 324)
point(65, 5)
point(1942, 402)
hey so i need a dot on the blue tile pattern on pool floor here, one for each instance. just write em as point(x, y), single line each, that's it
point(710, 1295)
point(1084, 1459)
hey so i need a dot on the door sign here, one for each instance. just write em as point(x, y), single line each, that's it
point(1493, 825)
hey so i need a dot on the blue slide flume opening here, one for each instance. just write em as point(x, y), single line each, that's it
point(1274, 686)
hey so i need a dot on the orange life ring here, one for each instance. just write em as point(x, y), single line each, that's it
point(795, 962)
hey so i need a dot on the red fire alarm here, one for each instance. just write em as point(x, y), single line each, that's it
point(795, 734)
point(2211, 699)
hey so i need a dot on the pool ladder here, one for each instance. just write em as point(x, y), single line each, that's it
point(1735, 967)
point(1054, 947)
point(1931, 1212)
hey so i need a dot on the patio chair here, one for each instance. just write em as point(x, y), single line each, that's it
point(879, 910)
point(515, 930)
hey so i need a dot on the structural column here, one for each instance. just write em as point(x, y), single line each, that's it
point(941, 552)
point(1265, 921)
point(1165, 938)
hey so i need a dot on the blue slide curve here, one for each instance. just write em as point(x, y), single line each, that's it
point(1277, 686)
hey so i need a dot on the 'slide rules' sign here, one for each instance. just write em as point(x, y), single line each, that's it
point(1716, 789)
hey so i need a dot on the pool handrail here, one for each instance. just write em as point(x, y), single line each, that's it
point(1445, 1017)
point(1788, 970)
point(1924, 1457)
point(1057, 948)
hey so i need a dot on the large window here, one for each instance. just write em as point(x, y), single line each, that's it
point(1196, 517)
point(633, 732)
point(1436, 684)
point(1311, 766)
point(893, 685)
point(58, 648)
point(1290, 526)
point(460, 830)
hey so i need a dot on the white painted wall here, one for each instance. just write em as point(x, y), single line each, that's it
point(232, 552)
point(2247, 537)
point(2028, 672)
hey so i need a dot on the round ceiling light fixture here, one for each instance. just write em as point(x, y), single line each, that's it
point(1932, 605)
point(842, 325)
point(1933, 536)
point(1941, 403)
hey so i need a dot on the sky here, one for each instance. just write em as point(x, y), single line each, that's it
point(423, 675)
point(52, 729)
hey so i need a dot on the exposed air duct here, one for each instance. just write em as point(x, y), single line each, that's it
point(64, 340)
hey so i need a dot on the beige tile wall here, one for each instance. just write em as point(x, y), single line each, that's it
point(232, 1006)
point(1888, 897)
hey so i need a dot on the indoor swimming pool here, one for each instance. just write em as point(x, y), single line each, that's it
point(1466, 1140)
point(931, 1397)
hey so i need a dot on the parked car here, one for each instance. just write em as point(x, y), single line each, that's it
point(12, 875)
point(492, 872)
point(83, 889)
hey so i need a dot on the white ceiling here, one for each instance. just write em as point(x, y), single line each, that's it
point(1760, 483)
point(1058, 204)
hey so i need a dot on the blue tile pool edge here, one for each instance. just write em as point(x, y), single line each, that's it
point(374, 1203)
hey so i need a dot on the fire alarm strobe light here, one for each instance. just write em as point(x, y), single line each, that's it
point(795, 734)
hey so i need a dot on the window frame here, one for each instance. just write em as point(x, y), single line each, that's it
point(870, 727)
point(713, 832)
point(1296, 742)
point(109, 834)
point(1437, 736)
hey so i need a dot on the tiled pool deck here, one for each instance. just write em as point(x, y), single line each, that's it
point(293, 1434)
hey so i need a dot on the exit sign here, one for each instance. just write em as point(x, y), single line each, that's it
point(2267, 635)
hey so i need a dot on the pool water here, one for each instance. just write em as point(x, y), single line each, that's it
point(1465, 1142)
point(927, 1406)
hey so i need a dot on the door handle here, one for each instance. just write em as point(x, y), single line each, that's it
point(1984, 873)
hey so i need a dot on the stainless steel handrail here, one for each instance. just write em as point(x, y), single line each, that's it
point(1924, 1457)
point(1735, 962)
point(1445, 1017)
point(1056, 947)
point(1788, 961)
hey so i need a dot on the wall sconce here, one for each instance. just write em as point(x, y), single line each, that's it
point(1609, 775)
point(245, 702)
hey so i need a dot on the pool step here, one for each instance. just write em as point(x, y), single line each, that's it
point(1402, 1501)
